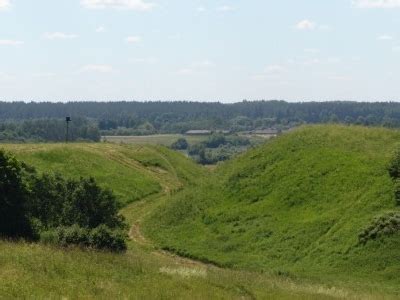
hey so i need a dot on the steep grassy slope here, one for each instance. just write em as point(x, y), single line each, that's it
point(295, 206)
point(127, 170)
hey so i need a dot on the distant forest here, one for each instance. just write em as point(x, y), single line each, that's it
point(45, 120)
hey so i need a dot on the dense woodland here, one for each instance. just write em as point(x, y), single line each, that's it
point(45, 120)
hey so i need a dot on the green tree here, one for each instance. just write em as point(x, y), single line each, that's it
point(180, 144)
point(89, 206)
point(14, 220)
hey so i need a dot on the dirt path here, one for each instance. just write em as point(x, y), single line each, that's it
point(143, 208)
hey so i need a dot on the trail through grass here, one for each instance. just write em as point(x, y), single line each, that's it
point(145, 271)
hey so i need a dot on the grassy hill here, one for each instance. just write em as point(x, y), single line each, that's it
point(132, 172)
point(143, 272)
point(295, 206)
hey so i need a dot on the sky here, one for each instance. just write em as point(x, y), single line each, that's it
point(199, 50)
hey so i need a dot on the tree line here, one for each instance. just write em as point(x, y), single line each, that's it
point(81, 129)
point(45, 120)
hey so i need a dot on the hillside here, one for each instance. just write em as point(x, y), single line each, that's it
point(132, 172)
point(40, 271)
point(295, 206)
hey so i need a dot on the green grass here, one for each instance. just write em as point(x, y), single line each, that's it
point(36, 271)
point(143, 272)
point(116, 167)
point(295, 207)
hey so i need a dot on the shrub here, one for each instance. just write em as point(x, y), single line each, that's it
point(89, 206)
point(394, 172)
point(14, 220)
point(101, 238)
point(384, 225)
point(394, 165)
point(215, 140)
point(73, 235)
point(180, 144)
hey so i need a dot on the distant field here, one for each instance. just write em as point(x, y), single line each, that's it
point(159, 139)
point(168, 139)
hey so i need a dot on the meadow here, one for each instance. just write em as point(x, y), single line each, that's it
point(38, 271)
point(166, 217)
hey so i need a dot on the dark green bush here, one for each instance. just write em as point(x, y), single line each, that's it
point(180, 144)
point(14, 195)
point(215, 140)
point(394, 165)
point(73, 235)
point(89, 206)
point(394, 172)
point(384, 225)
point(101, 238)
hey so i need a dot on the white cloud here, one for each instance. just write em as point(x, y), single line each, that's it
point(225, 8)
point(201, 9)
point(306, 25)
point(96, 69)
point(385, 37)
point(138, 5)
point(5, 4)
point(377, 3)
point(100, 29)
point(59, 36)
point(11, 43)
point(133, 39)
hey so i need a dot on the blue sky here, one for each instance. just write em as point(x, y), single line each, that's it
point(220, 50)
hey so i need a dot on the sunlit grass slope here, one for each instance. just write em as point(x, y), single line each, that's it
point(130, 171)
point(294, 206)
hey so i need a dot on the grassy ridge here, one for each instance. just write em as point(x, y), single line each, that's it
point(295, 207)
point(113, 166)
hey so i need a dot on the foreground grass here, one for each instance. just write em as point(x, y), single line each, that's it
point(294, 207)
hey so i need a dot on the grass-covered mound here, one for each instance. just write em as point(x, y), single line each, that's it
point(129, 171)
point(302, 204)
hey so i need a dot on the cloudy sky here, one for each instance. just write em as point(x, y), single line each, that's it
point(225, 50)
